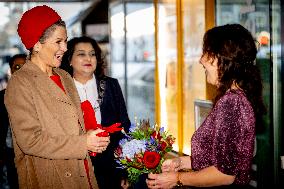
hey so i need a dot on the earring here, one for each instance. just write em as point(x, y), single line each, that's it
point(70, 64)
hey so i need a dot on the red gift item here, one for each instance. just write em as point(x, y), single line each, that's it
point(89, 115)
point(91, 122)
point(103, 134)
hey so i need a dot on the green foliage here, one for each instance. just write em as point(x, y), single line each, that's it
point(133, 175)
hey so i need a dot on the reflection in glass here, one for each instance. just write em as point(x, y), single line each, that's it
point(167, 66)
point(194, 86)
point(140, 60)
point(117, 43)
point(140, 55)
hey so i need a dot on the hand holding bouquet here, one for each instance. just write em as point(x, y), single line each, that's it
point(143, 150)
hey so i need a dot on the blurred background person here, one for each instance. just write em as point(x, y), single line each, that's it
point(50, 143)
point(222, 147)
point(85, 62)
point(7, 152)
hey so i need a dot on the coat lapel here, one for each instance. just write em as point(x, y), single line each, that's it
point(71, 92)
point(47, 85)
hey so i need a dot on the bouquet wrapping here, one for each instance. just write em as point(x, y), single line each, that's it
point(143, 150)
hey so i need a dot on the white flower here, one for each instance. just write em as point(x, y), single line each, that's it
point(132, 147)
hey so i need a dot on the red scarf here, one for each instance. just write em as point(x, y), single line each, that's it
point(91, 122)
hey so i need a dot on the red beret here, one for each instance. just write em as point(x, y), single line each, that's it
point(34, 22)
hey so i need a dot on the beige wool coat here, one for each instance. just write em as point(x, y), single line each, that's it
point(47, 126)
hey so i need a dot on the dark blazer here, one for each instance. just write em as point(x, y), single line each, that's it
point(113, 110)
point(7, 154)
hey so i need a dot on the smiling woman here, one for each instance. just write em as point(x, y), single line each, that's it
point(222, 147)
point(46, 118)
point(85, 62)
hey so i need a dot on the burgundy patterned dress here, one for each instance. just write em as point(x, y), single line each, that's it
point(226, 138)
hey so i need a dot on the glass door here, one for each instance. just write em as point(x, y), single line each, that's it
point(133, 55)
point(167, 66)
point(194, 81)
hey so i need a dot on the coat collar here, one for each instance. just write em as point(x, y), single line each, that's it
point(46, 84)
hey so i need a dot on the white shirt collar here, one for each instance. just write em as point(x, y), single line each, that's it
point(88, 91)
point(91, 82)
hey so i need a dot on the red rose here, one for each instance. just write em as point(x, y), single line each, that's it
point(151, 159)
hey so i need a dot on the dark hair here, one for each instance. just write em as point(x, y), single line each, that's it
point(46, 34)
point(13, 58)
point(235, 50)
point(99, 72)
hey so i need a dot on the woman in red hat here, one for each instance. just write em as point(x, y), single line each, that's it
point(50, 142)
point(85, 62)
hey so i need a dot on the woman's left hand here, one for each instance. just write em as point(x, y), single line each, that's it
point(164, 180)
point(171, 165)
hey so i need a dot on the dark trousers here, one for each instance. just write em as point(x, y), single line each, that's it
point(12, 175)
point(141, 184)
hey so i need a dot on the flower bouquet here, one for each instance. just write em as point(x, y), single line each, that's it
point(142, 150)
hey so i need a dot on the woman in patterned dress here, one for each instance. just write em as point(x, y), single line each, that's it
point(222, 147)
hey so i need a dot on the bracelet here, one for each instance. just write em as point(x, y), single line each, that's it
point(179, 183)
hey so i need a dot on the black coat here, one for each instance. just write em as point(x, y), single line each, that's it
point(4, 124)
point(113, 110)
point(7, 154)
